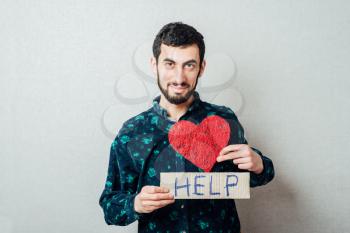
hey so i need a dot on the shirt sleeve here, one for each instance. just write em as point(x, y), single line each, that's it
point(117, 198)
point(268, 173)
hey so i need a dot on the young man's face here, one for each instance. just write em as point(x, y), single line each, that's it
point(177, 71)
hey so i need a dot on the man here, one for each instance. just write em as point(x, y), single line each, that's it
point(141, 150)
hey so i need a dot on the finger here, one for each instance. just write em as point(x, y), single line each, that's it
point(245, 166)
point(229, 148)
point(242, 160)
point(157, 196)
point(158, 203)
point(232, 155)
point(154, 189)
point(148, 209)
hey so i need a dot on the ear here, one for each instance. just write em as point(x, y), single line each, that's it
point(153, 62)
point(204, 63)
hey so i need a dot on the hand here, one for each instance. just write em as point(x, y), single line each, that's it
point(151, 198)
point(243, 156)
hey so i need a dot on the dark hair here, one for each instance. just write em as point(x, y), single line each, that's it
point(178, 34)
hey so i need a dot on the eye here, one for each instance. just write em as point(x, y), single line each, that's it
point(190, 65)
point(169, 64)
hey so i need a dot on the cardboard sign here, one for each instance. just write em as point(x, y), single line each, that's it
point(207, 185)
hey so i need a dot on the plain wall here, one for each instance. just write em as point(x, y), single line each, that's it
point(71, 72)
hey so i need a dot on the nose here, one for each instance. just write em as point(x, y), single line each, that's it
point(180, 76)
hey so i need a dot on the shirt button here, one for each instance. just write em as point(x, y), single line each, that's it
point(182, 206)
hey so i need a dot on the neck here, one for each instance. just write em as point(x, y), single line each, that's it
point(175, 111)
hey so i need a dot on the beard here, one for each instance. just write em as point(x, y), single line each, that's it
point(177, 99)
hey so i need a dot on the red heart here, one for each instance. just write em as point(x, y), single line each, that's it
point(201, 143)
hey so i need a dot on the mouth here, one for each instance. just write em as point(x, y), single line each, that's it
point(178, 88)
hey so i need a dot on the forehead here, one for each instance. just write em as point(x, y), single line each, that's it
point(179, 54)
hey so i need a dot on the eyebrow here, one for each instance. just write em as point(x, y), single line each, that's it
point(185, 63)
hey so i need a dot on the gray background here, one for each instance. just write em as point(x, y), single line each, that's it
point(61, 104)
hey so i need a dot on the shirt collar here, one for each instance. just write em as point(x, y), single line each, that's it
point(163, 112)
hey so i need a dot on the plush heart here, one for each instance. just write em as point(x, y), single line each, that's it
point(201, 143)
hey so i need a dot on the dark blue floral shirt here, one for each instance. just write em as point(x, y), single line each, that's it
point(141, 151)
